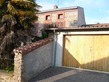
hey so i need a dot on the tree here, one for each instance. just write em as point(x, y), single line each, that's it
point(16, 19)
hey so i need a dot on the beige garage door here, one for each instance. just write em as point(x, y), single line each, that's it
point(86, 51)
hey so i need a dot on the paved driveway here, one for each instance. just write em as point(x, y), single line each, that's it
point(63, 74)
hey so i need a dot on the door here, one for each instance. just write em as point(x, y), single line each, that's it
point(86, 51)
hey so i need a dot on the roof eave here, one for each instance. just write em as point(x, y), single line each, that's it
point(79, 29)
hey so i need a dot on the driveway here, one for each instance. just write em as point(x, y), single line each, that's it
point(64, 74)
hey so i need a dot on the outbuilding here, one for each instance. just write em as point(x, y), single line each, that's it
point(84, 47)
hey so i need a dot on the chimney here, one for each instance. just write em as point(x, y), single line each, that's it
point(55, 7)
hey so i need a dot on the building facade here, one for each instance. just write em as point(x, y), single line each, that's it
point(60, 17)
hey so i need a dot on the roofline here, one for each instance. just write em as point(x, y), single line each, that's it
point(58, 9)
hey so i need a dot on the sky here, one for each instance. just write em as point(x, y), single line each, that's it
point(96, 11)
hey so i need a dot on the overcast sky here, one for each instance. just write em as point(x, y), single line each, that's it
point(96, 11)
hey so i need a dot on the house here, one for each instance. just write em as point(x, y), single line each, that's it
point(60, 17)
point(76, 44)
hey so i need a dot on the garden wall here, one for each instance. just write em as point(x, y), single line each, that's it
point(30, 60)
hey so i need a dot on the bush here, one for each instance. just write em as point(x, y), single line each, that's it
point(37, 38)
point(7, 64)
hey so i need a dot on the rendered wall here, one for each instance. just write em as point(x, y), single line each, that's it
point(37, 60)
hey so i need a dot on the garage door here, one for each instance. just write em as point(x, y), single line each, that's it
point(86, 51)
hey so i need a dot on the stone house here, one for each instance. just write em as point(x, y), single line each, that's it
point(60, 17)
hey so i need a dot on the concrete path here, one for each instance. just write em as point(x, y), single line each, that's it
point(63, 74)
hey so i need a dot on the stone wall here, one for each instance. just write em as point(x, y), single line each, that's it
point(72, 16)
point(29, 60)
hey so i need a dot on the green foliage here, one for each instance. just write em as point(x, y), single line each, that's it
point(9, 68)
point(24, 11)
point(44, 34)
point(16, 19)
point(7, 64)
point(37, 38)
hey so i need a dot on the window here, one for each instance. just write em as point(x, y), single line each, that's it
point(47, 17)
point(60, 16)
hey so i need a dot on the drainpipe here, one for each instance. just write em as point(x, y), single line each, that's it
point(54, 47)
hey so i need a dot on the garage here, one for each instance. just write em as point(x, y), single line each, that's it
point(87, 51)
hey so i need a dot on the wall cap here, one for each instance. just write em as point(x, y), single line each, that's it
point(32, 46)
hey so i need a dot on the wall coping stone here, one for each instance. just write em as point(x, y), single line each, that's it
point(32, 46)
